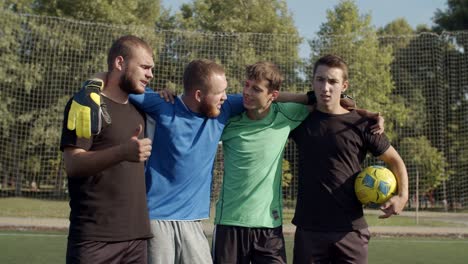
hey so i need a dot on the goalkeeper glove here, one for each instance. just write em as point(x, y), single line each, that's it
point(346, 101)
point(311, 98)
point(87, 110)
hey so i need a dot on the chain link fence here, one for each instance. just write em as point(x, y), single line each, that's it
point(419, 82)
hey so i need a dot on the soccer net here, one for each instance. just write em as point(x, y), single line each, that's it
point(419, 83)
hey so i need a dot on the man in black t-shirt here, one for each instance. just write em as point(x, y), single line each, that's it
point(109, 220)
point(333, 143)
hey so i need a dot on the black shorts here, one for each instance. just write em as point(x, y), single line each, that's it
point(331, 247)
point(235, 244)
point(95, 252)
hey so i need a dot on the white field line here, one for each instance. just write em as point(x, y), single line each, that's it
point(31, 235)
point(399, 240)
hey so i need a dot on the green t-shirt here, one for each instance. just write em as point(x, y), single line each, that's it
point(253, 154)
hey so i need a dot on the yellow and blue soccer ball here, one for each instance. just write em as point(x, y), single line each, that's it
point(375, 185)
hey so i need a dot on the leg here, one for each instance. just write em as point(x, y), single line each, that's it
point(352, 247)
point(311, 247)
point(161, 248)
point(136, 252)
point(95, 252)
point(268, 246)
point(192, 247)
point(231, 245)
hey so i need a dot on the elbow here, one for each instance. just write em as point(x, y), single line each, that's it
point(71, 171)
point(72, 161)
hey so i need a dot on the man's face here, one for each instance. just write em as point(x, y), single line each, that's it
point(256, 95)
point(137, 72)
point(328, 85)
point(214, 97)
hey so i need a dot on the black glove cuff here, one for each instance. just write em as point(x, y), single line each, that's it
point(311, 99)
point(344, 96)
point(94, 85)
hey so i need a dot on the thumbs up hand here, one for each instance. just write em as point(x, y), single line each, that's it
point(137, 150)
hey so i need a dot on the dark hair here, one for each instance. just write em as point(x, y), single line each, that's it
point(265, 70)
point(332, 61)
point(124, 47)
point(197, 74)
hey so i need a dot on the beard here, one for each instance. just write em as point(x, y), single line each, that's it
point(127, 85)
point(209, 110)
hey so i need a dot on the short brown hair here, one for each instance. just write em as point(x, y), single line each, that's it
point(197, 74)
point(332, 61)
point(265, 70)
point(124, 46)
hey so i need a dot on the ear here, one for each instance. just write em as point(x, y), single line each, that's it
point(345, 86)
point(119, 63)
point(274, 95)
point(198, 95)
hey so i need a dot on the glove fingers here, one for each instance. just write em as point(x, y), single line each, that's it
point(83, 127)
point(71, 121)
point(96, 98)
point(95, 115)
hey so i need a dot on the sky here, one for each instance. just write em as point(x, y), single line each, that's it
point(310, 14)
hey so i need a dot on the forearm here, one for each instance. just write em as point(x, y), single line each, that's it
point(399, 170)
point(398, 167)
point(81, 163)
point(366, 113)
point(287, 97)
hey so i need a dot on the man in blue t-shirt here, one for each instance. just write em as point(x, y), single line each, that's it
point(179, 171)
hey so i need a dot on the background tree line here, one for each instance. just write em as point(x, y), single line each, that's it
point(416, 77)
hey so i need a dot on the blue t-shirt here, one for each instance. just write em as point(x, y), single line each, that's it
point(180, 169)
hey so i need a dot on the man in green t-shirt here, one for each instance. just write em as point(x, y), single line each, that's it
point(249, 210)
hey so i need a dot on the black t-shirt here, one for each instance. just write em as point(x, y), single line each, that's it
point(331, 150)
point(111, 205)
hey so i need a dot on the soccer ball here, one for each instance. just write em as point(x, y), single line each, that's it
point(375, 185)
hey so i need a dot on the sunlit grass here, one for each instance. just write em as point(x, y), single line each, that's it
point(26, 207)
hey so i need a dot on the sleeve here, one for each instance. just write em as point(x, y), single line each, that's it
point(69, 138)
point(295, 113)
point(377, 144)
point(148, 102)
point(234, 105)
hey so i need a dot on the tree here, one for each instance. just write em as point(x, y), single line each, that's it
point(455, 17)
point(398, 27)
point(45, 59)
point(237, 50)
point(426, 162)
point(18, 6)
point(239, 16)
point(351, 36)
point(136, 12)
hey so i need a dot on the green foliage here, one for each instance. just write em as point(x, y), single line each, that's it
point(424, 161)
point(17, 6)
point(455, 17)
point(257, 16)
point(287, 174)
point(245, 16)
point(44, 62)
point(138, 12)
point(398, 27)
point(351, 36)
point(418, 84)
